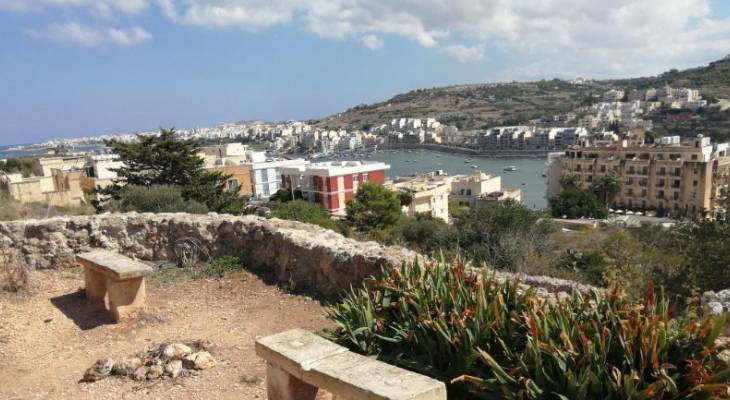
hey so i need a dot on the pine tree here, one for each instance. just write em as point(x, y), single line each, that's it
point(166, 160)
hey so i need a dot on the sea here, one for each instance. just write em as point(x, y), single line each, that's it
point(527, 176)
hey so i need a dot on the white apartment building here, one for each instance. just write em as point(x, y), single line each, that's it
point(430, 196)
point(479, 187)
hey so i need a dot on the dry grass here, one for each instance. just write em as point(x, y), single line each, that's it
point(12, 210)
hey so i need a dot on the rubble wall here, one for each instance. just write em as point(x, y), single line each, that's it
point(306, 255)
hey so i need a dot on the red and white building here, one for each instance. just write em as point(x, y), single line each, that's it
point(331, 184)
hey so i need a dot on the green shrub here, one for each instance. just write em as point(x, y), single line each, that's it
point(154, 199)
point(302, 211)
point(490, 340)
point(222, 265)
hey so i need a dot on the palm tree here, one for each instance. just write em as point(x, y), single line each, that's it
point(606, 187)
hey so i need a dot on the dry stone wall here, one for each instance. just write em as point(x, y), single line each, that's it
point(307, 255)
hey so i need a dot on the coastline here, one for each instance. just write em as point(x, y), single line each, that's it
point(469, 151)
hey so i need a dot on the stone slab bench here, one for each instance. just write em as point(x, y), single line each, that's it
point(299, 363)
point(114, 280)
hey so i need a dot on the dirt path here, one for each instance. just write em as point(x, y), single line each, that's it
point(49, 338)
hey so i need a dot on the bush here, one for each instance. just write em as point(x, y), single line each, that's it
point(505, 235)
point(222, 265)
point(425, 234)
point(490, 340)
point(154, 199)
point(374, 207)
point(575, 202)
point(302, 211)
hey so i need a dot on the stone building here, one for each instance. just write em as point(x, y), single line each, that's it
point(430, 196)
point(479, 188)
point(677, 178)
point(60, 188)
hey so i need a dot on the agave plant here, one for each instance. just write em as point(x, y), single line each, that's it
point(492, 340)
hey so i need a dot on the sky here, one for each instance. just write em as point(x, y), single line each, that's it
point(71, 68)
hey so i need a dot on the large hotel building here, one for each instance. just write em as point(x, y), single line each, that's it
point(673, 177)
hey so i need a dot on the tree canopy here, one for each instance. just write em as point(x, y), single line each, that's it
point(374, 207)
point(577, 202)
point(166, 160)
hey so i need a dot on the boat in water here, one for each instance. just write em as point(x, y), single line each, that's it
point(510, 168)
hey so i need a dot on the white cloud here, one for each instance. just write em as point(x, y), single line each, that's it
point(91, 36)
point(464, 53)
point(554, 36)
point(248, 15)
point(104, 8)
point(372, 42)
point(561, 37)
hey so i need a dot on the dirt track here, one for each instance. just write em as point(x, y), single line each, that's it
point(49, 338)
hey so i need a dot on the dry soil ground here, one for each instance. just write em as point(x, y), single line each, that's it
point(49, 337)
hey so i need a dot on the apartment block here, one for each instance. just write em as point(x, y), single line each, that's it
point(430, 196)
point(681, 179)
point(331, 184)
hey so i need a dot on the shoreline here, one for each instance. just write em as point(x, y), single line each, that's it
point(469, 151)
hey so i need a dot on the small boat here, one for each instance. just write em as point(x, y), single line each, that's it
point(467, 161)
point(510, 168)
point(475, 166)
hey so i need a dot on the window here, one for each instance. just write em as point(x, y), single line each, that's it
point(694, 183)
point(694, 157)
point(662, 171)
point(603, 168)
point(233, 185)
point(660, 194)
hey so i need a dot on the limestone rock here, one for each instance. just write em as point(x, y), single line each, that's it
point(100, 370)
point(176, 351)
point(174, 368)
point(127, 366)
point(199, 361)
point(155, 372)
point(140, 373)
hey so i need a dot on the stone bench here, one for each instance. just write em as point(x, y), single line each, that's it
point(299, 363)
point(114, 280)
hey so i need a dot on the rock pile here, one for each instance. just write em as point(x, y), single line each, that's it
point(167, 360)
point(717, 304)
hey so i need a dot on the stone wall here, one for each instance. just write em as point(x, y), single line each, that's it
point(309, 256)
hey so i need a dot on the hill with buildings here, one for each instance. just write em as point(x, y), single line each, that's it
point(480, 106)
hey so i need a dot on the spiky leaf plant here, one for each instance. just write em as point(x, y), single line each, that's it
point(493, 340)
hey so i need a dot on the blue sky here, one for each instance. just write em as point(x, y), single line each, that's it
point(73, 68)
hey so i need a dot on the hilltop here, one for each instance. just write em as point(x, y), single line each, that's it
point(477, 106)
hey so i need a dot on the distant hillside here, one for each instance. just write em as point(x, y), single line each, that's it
point(713, 80)
point(483, 105)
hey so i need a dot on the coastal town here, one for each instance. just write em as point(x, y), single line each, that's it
point(612, 136)
point(364, 200)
